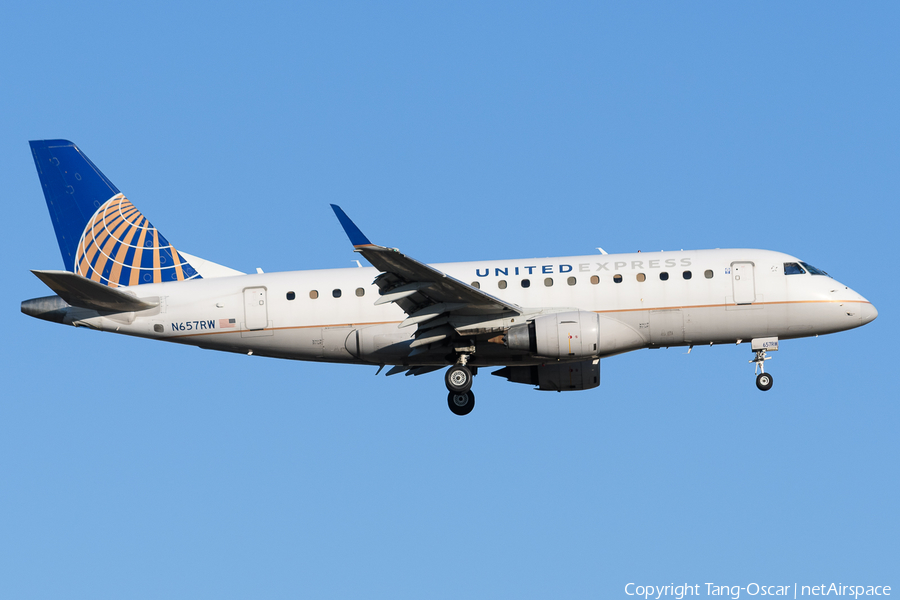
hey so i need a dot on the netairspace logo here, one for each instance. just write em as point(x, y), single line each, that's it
point(678, 592)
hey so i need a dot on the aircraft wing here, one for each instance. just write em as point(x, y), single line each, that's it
point(428, 296)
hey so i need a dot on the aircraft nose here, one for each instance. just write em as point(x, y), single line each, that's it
point(867, 313)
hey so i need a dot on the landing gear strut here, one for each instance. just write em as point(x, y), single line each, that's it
point(764, 380)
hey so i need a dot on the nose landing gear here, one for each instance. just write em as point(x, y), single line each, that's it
point(764, 380)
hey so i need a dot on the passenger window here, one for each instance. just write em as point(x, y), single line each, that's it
point(548, 282)
point(291, 295)
point(708, 273)
point(793, 269)
point(641, 277)
point(526, 283)
point(595, 280)
point(687, 275)
point(360, 292)
point(617, 278)
point(336, 293)
point(571, 281)
point(663, 276)
point(313, 295)
point(476, 285)
point(501, 284)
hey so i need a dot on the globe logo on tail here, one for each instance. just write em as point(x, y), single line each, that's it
point(119, 247)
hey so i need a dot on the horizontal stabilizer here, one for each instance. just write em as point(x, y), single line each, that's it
point(83, 292)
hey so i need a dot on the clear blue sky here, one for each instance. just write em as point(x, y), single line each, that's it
point(454, 131)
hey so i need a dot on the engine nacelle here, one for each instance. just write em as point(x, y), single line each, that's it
point(556, 377)
point(573, 334)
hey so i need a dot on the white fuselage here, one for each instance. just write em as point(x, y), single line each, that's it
point(732, 295)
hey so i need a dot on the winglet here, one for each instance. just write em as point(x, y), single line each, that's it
point(356, 236)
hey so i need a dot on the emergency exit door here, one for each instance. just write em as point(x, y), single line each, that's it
point(743, 282)
point(256, 314)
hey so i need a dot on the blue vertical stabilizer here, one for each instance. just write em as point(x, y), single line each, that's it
point(101, 235)
point(74, 189)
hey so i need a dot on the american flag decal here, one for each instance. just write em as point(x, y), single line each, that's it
point(226, 323)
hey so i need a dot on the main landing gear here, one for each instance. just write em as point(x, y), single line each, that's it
point(764, 380)
point(458, 378)
point(461, 403)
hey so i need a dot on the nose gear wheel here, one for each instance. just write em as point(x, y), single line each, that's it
point(764, 380)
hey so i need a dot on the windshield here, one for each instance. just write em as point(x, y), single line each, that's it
point(793, 269)
point(814, 271)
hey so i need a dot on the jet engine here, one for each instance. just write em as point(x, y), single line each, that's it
point(566, 335)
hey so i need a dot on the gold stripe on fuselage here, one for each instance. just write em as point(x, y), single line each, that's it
point(623, 310)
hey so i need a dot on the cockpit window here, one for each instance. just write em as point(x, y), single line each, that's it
point(793, 269)
point(814, 271)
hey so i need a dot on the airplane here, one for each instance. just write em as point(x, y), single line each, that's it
point(545, 322)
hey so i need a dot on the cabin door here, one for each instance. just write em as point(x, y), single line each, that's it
point(256, 313)
point(743, 282)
